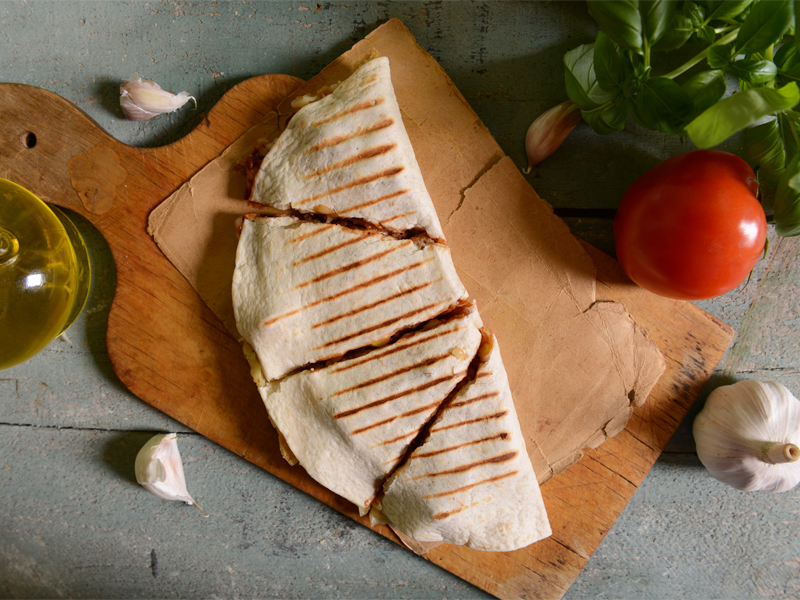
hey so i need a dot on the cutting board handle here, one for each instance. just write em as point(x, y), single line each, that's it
point(57, 151)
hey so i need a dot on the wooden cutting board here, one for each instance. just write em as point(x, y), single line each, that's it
point(172, 352)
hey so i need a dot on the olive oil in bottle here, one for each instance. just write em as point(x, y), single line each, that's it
point(44, 274)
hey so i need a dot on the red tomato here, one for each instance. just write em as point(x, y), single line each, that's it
point(691, 227)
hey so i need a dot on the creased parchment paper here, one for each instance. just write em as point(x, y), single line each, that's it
point(577, 367)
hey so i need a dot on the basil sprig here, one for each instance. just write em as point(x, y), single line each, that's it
point(752, 42)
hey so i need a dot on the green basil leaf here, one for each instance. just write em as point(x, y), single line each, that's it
point(732, 114)
point(765, 25)
point(696, 14)
point(608, 66)
point(753, 71)
point(656, 16)
point(719, 57)
point(634, 80)
point(705, 35)
point(677, 34)
point(787, 201)
point(764, 148)
point(790, 132)
point(607, 119)
point(787, 59)
point(741, 17)
point(797, 20)
point(580, 79)
point(646, 120)
point(726, 9)
point(746, 85)
point(633, 24)
point(621, 21)
point(787, 56)
point(792, 74)
point(706, 88)
point(666, 105)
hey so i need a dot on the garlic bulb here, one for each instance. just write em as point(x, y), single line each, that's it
point(549, 130)
point(159, 469)
point(748, 436)
point(142, 99)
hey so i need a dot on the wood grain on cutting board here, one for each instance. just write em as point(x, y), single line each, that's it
point(171, 351)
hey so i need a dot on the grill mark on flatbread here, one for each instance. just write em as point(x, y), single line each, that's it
point(360, 132)
point(484, 374)
point(291, 313)
point(372, 79)
point(397, 372)
point(399, 438)
point(400, 216)
point(472, 485)
point(449, 513)
point(361, 309)
point(372, 425)
point(499, 415)
point(421, 409)
point(386, 323)
point(466, 401)
point(500, 458)
point(330, 249)
point(391, 462)
point(376, 201)
point(410, 413)
point(385, 174)
point(396, 348)
point(365, 105)
point(353, 265)
point(352, 160)
point(500, 436)
point(305, 236)
point(454, 511)
point(392, 397)
point(351, 290)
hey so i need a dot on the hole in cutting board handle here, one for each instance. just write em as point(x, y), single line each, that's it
point(28, 139)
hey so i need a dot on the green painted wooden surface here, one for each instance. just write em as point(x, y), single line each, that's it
point(72, 520)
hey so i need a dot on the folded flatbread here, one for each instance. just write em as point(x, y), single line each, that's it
point(385, 406)
point(349, 423)
point(305, 292)
point(471, 481)
point(349, 154)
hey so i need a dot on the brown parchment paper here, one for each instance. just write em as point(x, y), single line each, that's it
point(577, 367)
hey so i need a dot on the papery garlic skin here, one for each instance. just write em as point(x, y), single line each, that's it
point(159, 469)
point(748, 436)
point(549, 130)
point(142, 99)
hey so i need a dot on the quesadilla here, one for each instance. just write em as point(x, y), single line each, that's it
point(349, 423)
point(305, 292)
point(471, 481)
point(348, 154)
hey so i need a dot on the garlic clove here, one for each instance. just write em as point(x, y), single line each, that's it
point(154, 473)
point(549, 130)
point(142, 99)
point(159, 469)
point(748, 436)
